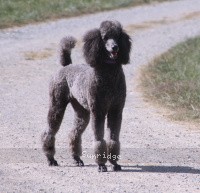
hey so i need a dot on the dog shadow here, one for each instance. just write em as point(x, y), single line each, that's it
point(161, 169)
point(151, 169)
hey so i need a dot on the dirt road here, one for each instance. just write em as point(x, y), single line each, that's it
point(157, 155)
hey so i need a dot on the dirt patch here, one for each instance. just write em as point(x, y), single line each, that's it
point(39, 55)
point(164, 21)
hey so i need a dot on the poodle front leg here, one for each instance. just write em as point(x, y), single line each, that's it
point(113, 145)
point(100, 149)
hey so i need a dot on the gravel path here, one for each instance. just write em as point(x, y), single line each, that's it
point(157, 155)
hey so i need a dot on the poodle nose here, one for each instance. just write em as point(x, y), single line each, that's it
point(115, 48)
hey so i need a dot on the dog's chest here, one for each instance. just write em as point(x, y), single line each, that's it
point(109, 88)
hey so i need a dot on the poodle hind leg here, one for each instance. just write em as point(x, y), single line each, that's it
point(58, 103)
point(81, 120)
point(113, 145)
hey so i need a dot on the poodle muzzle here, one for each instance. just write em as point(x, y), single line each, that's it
point(112, 48)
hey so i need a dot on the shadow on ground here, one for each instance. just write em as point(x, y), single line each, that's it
point(161, 169)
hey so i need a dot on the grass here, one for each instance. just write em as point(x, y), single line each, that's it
point(20, 12)
point(173, 80)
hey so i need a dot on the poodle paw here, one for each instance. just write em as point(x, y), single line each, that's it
point(52, 162)
point(116, 167)
point(78, 161)
point(102, 168)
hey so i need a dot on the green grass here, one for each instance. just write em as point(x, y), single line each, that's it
point(18, 12)
point(173, 80)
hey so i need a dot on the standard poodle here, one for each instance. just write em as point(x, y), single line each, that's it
point(96, 90)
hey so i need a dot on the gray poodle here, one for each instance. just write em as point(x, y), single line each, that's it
point(96, 91)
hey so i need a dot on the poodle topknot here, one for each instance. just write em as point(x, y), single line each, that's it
point(96, 91)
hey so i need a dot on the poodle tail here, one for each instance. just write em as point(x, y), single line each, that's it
point(66, 45)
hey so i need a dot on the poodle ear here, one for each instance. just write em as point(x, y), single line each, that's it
point(125, 48)
point(93, 47)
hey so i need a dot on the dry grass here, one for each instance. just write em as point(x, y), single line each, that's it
point(38, 55)
point(163, 21)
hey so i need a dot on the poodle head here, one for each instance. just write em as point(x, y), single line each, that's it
point(108, 45)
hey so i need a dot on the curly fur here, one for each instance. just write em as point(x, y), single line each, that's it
point(94, 49)
point(66, 46)
point(95, 91)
